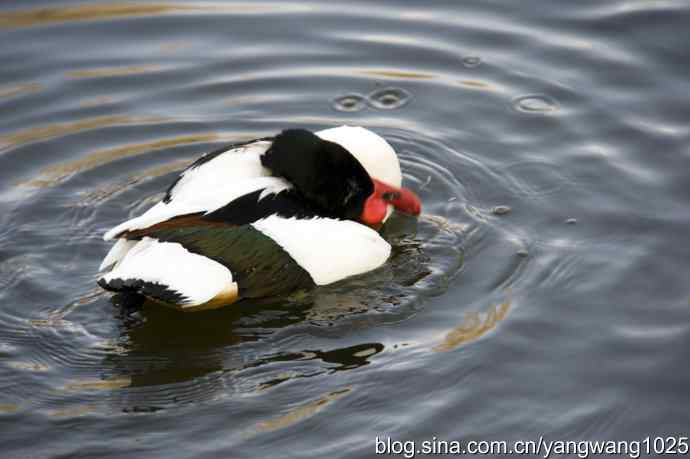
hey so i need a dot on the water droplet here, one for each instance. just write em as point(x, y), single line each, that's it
point(501, 210)
point(571, 221)
point(350, 103)
point(389, 98)
point(471, 61)
point(535, 103)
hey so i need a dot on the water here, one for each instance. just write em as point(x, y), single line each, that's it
point(544, 291)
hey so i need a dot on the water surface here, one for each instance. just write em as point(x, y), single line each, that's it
point(544, 291)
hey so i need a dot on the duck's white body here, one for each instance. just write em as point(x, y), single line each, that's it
point(228, 218)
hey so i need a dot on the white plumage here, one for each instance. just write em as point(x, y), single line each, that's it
point(117, 252)
point(196, 278)
point(370, 149)
point(330, 250)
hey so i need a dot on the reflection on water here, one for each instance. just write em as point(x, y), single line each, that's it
point(112, 11)
point(348, 358)
point(8, 408)
point(112, 71)
point(157, 363)
point(547, 141)
point(345, 358)
point(108, 384)
point(72, 411)
point(28, 366)
point(53, 175)
point(398, 74)
point(302, 412)
point(9, 91)
point(39, 16)
point(97, 102)
point(40, 133)
point(473, 327)
point(473, 84)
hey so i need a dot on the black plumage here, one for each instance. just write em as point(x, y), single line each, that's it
point(153, 290)
point(325, 173)
point(250, 208)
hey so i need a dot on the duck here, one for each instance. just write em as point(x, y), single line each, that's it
point(263, 218)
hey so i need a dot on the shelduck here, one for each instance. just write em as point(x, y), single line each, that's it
point(263, 218)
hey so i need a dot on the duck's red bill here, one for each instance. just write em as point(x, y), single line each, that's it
point(376, 205)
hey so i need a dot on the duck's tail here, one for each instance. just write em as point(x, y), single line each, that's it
point(168, 273)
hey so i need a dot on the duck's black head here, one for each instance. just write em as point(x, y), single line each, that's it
point(338, 171)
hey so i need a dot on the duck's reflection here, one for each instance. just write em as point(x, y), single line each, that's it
point(171, 357)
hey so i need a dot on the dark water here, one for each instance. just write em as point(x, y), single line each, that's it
point(545, 290)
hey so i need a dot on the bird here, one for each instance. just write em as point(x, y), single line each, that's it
point(263, 218)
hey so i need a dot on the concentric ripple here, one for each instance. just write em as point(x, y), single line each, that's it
point(103, 354)
point(471, 61)
point(548, 144)
point(535, 103)
point(350, 103)
point(389, 98)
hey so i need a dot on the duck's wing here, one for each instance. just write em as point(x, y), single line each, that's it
point(276, 255)
point(169, 273)
point(234, 162)
point(259, 266)
point(240, 211)
point(272, 256)
point(211, 182)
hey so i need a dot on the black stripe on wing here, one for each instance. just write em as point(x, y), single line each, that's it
point(206, 158)
point(242, 211)
point(252, 207)
point(153, 290)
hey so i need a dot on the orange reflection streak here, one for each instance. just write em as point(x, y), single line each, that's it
point(112, 71)
point(107, 384)
point(399, 74)
point(38, 133)
point(39, 16)
point(472, 328)
point(15, 90)
point(54, 175)
point(302, 411)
